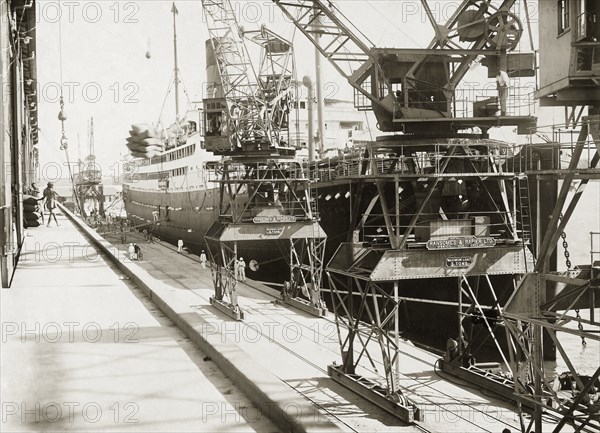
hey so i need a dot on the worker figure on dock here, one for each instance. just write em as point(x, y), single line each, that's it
point(241, 269)
point(138, 251)
point(50, 195)
point(131, 250)
point(203, 260)
point(502, 82)
point(180, 246)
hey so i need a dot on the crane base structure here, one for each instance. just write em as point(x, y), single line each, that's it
point(399, 405)
point(229, 309)
point(266, 204)
point(303, 305)
point(446, 210)
point(540, 311)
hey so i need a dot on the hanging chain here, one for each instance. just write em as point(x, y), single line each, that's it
point(580, 327)
point(565, 245)
point(62, 116)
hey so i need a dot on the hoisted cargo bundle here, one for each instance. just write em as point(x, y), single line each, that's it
point(145, 141)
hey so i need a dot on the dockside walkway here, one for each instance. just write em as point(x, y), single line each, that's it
point(277, 358)
point(83, 349)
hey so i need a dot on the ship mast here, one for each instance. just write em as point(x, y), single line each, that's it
point(175, 12)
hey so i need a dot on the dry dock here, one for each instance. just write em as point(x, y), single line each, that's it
point(277, 358)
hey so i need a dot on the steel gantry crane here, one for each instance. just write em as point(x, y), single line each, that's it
point(276, 77)
point(88, 181)
point(415, 91)
point(441, 201)
point(266, 199)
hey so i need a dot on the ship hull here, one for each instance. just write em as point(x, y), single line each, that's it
point(188, 216)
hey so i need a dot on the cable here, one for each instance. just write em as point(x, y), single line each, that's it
point(62, 115)
point(385, 17)
point(184, 89)
point(171, 81)
point(349, 22)
point(60, 57)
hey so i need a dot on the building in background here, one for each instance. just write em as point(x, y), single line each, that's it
point(344, 124)
point(573, 30)
point(18, 124)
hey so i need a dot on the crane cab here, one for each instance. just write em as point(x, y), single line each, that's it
point(569, 52)
point(215, 120)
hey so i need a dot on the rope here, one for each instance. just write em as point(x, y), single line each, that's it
point(185, 91)
point(60, 57)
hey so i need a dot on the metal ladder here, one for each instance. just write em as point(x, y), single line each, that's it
point(524, 209)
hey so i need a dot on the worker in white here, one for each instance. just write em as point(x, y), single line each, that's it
point(241, 269)
point(203, 260)
point(179, 246)
point(132, 253)
point(502, 81)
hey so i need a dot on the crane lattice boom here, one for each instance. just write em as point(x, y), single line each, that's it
point(414, 90)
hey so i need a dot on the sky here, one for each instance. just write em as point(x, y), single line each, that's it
point(99, 48)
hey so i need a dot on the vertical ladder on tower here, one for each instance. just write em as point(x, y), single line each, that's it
point(524, 209)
